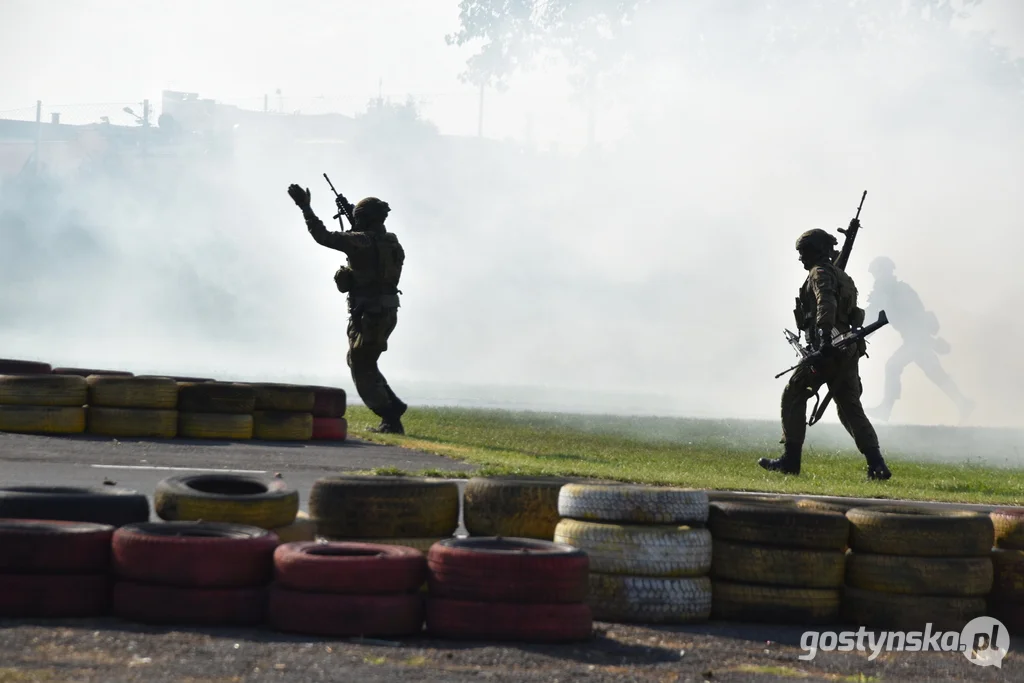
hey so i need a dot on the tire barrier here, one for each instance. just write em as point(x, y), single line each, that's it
point(329, 429)
point(518, 507)
point(282, 412)
point(132, 407)
point(777, 562)
point(227, 498)
point(377, 507)
point(110, 506)
point(23, 367)
point(205, 573)
point(51, 569)
point(908, 565)
point(507, 589)
point(649, 551)
point(1006, 600)
point(42, 404)
point(85, 372)
point(215, 410)
point(347, 589)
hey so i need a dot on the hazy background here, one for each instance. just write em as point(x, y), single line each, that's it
point(651, 272)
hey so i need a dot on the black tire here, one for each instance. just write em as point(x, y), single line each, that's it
point(520, 507)
point(779, 525)
point(116, 507)
point(216, 397)
point(23, 367)
point(915, 531)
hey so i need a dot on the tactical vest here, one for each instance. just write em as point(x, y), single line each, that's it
point(374, 286)
point(848, 314)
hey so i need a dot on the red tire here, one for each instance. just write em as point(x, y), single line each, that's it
point(153, 604)
point(330, 614)
point(23, 367)
point(27, 595)
point(32, 546)
point(513, 570)
point(329, 402)
point(330, 429)
point(463, 620)
point(353, 568)
point(194, 554)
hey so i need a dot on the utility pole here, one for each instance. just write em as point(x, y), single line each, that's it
point(39, 133)
point(480, 112)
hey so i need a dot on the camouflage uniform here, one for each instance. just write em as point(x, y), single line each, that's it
point(375, 260)
point(826, 307)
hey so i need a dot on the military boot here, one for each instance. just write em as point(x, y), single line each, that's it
point(789, 463)
point(876, 464)
point(391, 422)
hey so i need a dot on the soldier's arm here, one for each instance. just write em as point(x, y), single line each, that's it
point(823, 285)
point(334, 240)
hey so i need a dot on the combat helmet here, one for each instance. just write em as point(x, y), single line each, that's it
point(371, 208)
point(816, 240)
point(881, 265)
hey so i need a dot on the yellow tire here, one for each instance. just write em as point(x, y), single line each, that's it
point(909, 575)
point(228, 498)
point(641, 599)
point(149, 393)
point(368, 506)
point(42, 419)
point(777, 566)
point(874, 609)
point(774, 604)
point(136, 423)
point(214, 426)
point(639, 550)
point(920, 532)
point(515, 507)
point(269, 425)
point(1009, 527)
point(43, 390)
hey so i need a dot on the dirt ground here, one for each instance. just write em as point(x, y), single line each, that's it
point(111, 651)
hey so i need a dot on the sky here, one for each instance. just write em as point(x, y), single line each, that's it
point(664, 274)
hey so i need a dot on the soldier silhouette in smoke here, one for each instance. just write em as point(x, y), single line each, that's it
point(919, 329)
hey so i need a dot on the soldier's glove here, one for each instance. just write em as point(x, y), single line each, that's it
point(299, 196)
point(825, 347)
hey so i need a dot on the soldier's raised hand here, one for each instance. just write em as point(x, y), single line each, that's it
point(300, 196)
point(854, 224)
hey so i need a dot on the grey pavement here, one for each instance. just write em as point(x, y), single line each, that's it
point(140, 464)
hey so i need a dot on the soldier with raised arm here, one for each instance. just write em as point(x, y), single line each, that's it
point(826, 307)
point(375, 259)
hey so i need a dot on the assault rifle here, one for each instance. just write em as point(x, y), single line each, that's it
point(811, 357)
point(344, 206)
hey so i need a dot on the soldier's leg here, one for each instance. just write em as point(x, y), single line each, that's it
point(894, 368)
point(846, 392)
point(928, 361)
point(801, 386)
point(366, 344)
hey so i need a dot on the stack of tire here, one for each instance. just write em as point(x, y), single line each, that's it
point(909, 566)
point(649, 551)
point(507, 589)
point(347, 589)
point(329, 406)
point(282, 412)
point(107, 505)
point(233, 499)
point(776, 561)
point(196, 573)
point(407, 511)
point(39, 403)
point(215, 410)
point(85, 372)
point(132, 407)
point(515, 507)
point(1006, 599)
point(54, 569)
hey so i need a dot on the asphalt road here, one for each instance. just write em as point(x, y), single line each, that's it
point(140, 464)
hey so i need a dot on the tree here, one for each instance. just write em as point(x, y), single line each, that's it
point(595, 37)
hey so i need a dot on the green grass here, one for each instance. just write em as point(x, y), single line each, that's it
point(710, 454)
